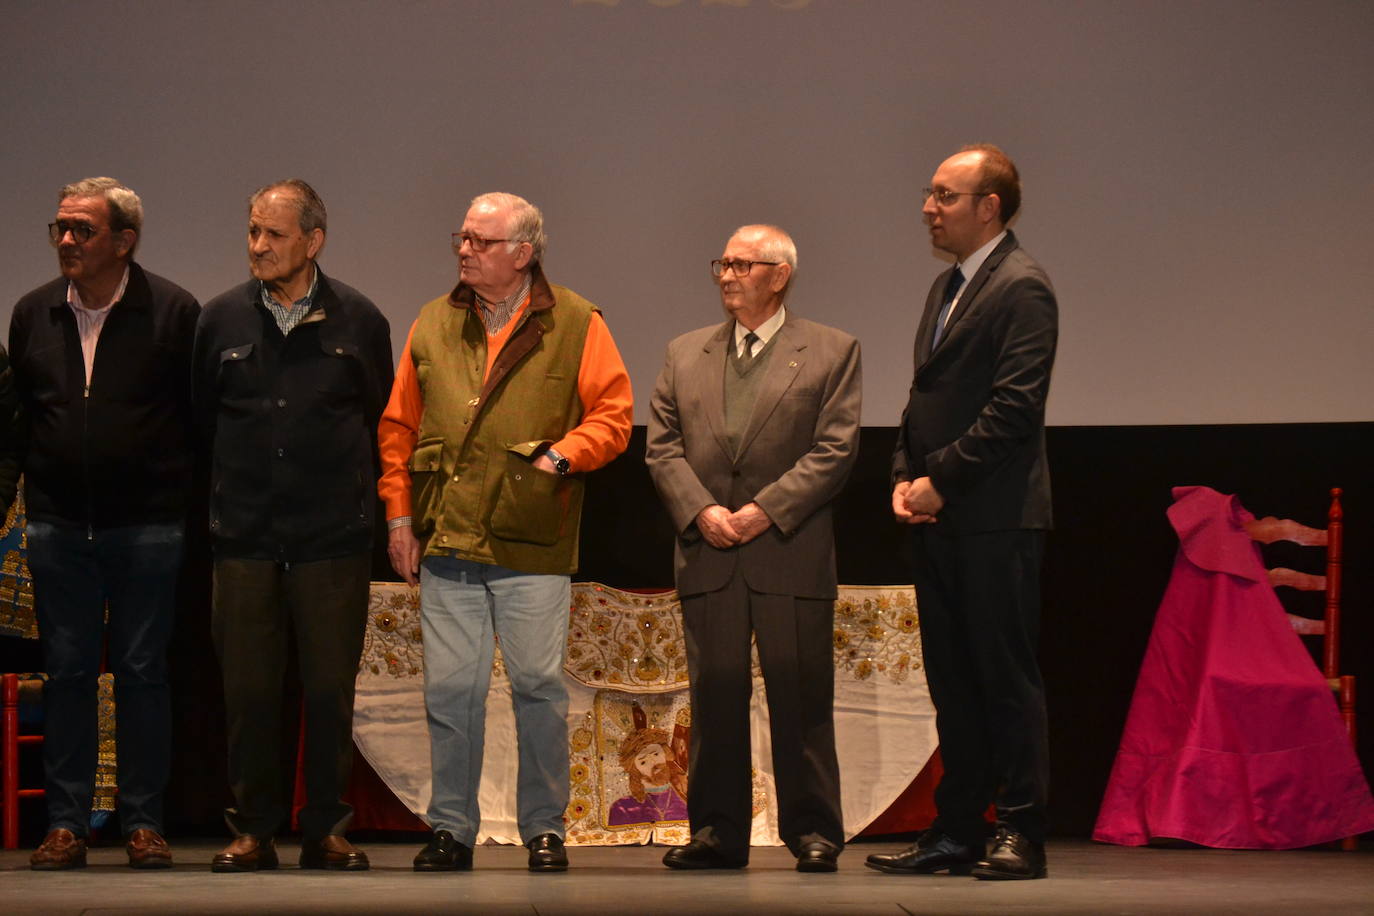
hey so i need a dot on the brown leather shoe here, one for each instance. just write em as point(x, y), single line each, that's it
point(246, 853)
point(334, 853)
point(147, 849)
point(61, 849)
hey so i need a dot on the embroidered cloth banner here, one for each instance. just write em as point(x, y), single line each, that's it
point(16, 585)
point(629, 718)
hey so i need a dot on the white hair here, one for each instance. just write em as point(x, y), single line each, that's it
point(774, 243)
point(526, 222)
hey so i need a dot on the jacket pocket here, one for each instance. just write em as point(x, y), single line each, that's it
point(426, 484)
point(231, 355)
point(532, 505)
point(339, 375)
point(237, 377)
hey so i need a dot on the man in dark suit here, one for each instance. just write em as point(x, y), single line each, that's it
point(753, 429)
point(970, 474)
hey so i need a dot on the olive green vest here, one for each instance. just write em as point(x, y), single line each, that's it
point(474, 492)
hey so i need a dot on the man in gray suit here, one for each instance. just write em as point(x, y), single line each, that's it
point(753, 428)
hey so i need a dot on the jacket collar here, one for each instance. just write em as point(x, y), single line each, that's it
point(137, 294)
point(541, 294)
point(324, 299)
point(993, 261)
point(967, 299)
point(319, 308)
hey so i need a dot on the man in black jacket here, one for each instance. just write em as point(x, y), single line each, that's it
point(292, 370)
point(102, 361)
point(970, 475)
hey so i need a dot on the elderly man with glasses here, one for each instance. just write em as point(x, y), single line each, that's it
point(102, 364)
point(509, 391)
point(753, 429)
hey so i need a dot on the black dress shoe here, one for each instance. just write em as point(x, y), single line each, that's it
point(444, 853)
point(818, 857)
point(933, 851)
point(547, 853)
point(697, 854)
point(1012, 857)
point(333, 852)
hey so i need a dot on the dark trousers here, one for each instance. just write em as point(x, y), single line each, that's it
point(979, 601)
point(795, 639)
point(258, 605)
point(76, 574)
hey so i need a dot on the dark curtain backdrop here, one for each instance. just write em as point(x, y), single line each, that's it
point(1106, 568)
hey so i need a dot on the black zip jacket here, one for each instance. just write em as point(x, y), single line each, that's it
point(119, 452)
point(9, 441)
point(291, 423)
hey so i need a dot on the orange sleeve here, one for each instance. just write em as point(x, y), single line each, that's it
point(607, 403)
point(396, 435)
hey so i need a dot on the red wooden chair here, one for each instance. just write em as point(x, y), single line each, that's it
point(14, 690)
point(1267, 531)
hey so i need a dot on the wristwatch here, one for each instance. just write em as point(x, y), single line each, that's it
point(560, 464)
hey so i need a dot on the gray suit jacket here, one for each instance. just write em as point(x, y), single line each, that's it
point(797, 450)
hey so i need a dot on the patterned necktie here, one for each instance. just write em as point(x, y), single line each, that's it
point(956, 280)
point(749, 340)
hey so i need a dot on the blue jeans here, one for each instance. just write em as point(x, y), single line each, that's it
point(75, 574)
point(461, 603)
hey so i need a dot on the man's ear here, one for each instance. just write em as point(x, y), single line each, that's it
point(316, 236)
point(989, 207)
point(781, 275)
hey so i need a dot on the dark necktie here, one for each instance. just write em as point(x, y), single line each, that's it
point(956, 280)
point(749, 340)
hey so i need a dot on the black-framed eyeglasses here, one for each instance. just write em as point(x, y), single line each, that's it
point(81, 232)
point(944, 196)
point(740, 266)
point(476, 242)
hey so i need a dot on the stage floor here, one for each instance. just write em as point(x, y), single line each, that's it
point(1084, 878)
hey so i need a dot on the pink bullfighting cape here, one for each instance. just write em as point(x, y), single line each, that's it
point(1234, 739)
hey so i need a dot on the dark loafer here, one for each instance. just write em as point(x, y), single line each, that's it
point(547, 853)
point(933, 851)
point(697, 854)
point(818, 857)
point(1012, 857)
point(334, 853)
point(444, 853)
point(147, 849)
point(246, 853)
point(61, 849)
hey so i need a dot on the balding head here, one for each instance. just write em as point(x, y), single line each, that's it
point(772, 242)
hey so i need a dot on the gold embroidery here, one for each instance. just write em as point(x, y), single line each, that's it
point(16, 584)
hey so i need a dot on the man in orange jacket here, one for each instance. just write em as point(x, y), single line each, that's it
point(510, 389)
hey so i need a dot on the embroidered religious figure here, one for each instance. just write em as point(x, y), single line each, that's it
point(657, 777)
